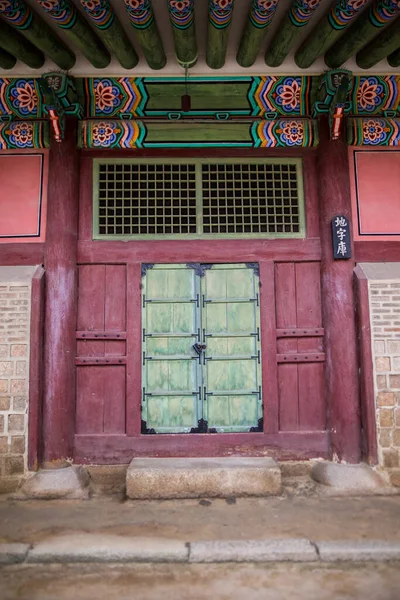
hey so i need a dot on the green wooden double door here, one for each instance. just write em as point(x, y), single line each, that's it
point(201, 348)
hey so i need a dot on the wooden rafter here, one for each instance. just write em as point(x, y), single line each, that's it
point(328, 29)
point(33, 28)
point(259, 18)
point(109, 29)
point(143, 21)
point(65, 16)
point(298, 15)
point(219, 24)
point(7, 60)
point(367, 26)
point(19, 47)
point(380, 47)
point(183, 29)
point(394, 58)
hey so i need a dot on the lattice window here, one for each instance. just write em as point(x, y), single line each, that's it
point(208, 198)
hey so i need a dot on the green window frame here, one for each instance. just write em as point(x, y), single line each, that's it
point(200, 202)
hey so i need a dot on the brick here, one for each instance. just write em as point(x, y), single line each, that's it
point(394, 381)
point(19, 403)
point(3, 351)
point(386, 399)
point(385, 438)
point(16, 422)
point(1, 423)
point(381, 382)
point(396, 437)
point(6, 368)
point(395, 478)
point(390, 459)
point(21, 368)
point(397, 417)
point(3, 444)
point(19, 350)
point(386, 417)
point(379, 347)
point(18, 386)
point(382, 364)
point(396, 363)
point(14, 465)
point(4, 402)
point(17, 444)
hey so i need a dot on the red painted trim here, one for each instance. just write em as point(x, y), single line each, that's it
point(17, 254)
point(378, 251)
point(201, 153)
point(36, 369)
point(119, 449)
point(222, 251)
point(86, 200)
point(311, 195)
point(367, 390)
point(134, 349)
point(268, 345)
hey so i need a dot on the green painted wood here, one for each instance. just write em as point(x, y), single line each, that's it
point(111, 32)
point(7, 60)
point(15, 44)
point(326, 32)
point(259, 19)
point(34, 29)
point(365, 29)
point(181, 15)
point(182, 132)
point(288, 31)
point(380, 47)
point(219, 24)
point(143, 21)
point(394, 58)
point(65, 15)
point(217, 96)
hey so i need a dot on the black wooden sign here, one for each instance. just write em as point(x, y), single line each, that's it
point(341, 237)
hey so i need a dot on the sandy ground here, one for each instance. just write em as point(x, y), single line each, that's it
point(201, 582)
point(375, 517)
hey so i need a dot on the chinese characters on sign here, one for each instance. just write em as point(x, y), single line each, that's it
point(341, 237)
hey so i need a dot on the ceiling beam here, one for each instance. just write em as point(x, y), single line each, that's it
point(259, 18)
point(16, 45)
point(7, 60)
point(111, 32)
point(298, 15)
point(328, 29)
point(394, 58)
point(181, 16)
point(65, 16)
point(32, 27)
point(143, 21)
point(361, 32)
point(380, 47)
point(219, 23)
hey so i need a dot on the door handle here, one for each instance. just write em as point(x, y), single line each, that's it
point(199, 348)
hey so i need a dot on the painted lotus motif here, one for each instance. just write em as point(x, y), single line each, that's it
point(369, 94)
point(104, 133)
point(107, 96)
point(288, 95)
point(374, 131)
point(24, 97)
point(292, 133)
point(21, 134)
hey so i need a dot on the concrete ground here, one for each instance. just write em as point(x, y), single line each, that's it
point(314, 518)
point(201, 582)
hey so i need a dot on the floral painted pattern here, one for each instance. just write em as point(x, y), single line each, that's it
point(16, 12)
point(181, 13)
point(287, 95)
point(301, 11)
point(63, 13)
point(140, 13)
point(104, 133)
point(262, 12)
point(21, 134)
point(374, 131)
point(369, 94)
point(293, 133)
point(24, 97)
point(220, 12)
point(107, 96)
point(345, 11)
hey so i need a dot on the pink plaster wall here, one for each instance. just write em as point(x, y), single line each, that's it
point(375, 182)
point(23, 184)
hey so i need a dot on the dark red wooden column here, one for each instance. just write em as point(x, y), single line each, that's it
point(61, 290)
point(338, 303)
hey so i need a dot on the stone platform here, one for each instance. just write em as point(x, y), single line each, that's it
point(171, 478)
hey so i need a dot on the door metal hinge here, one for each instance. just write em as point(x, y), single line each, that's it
point(202, 427)
point(144, 430)
point(259, 428)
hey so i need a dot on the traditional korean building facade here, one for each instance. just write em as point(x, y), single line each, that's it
point(199, 231)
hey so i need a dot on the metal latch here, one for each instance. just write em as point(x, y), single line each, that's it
point(199, 348)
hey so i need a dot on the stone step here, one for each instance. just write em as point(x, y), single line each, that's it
point(169, 478)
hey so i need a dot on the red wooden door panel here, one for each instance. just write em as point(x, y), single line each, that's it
point(101, 350)
point(299, 346)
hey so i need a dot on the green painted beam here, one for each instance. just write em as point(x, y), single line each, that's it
point(16, 45)
point(181, 15)
point(328, 29)
point(101, 14)
point(287, 34)
point(259, 18)
point(380, 47)
point(219, 23)
point(394, 58)
point(7, 60)
point(65, 16)
point(33, 28)
point(361, 32)
point(143, 21)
